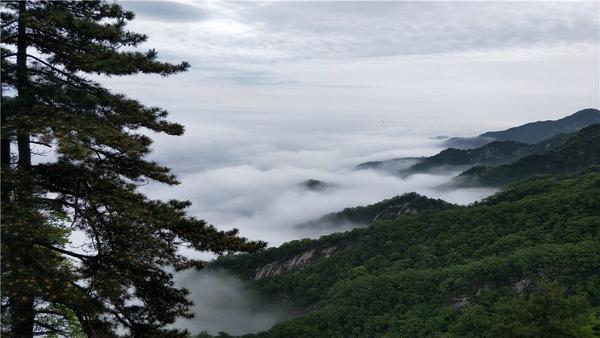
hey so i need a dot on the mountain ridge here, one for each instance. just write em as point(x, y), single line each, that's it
point(532, 132)
point(406, 204)
point(578, 152)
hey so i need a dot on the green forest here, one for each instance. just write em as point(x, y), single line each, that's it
point(523, 262)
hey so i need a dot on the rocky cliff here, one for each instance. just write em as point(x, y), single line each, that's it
point(297, 262)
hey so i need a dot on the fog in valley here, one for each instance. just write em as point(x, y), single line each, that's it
point(223, 303)
point(254, 185)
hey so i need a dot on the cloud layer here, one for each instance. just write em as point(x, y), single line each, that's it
point(223, 303)
point(249, 177)
point(275, 31)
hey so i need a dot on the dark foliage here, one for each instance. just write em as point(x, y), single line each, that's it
point(122, 276)
point(522, 263)
point(491, 153)
point(405, 204)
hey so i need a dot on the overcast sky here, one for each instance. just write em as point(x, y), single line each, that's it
point(280, 92)
point(495, 63)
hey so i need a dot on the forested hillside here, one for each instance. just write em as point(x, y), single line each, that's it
point(524, 262)
point(494, 153)
point(405, 204)
point(579, 151)
point(492, 148)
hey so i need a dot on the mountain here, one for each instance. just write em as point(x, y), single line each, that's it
point(467, 142)
point(492, 148)
point(531, 132)
point(406, 204)
point(538, 131)
point(316, 185)
point(580, 151)
point(394, 165)
point(493, 153)
point(523, 262)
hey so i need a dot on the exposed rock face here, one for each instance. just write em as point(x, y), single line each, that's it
point(459, 302)
point(395, 211)
point(521, 286)
point(297, 262)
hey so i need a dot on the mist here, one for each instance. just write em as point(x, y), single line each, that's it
point(248, 177)
point(222, 302)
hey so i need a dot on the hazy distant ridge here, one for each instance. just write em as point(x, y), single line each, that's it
point(579, 152)
point(531, 132)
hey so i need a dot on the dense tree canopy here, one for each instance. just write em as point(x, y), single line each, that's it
point(120, 281)
point(522, 263)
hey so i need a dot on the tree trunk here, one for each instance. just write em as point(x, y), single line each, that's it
point(22, 317)
point(5, 149)
point(23, 311)
point(5, 163)
point(22, 91)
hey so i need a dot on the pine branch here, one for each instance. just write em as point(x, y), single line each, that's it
point(10, 23)
point(68, 75)
point(66, 252)
point(41, 143)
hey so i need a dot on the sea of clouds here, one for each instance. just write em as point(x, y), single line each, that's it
point(248, 176)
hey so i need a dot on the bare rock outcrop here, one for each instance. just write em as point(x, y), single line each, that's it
point(297, 262)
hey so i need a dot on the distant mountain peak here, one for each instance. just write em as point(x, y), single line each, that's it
point(532, 132)
point(408, 204)
point(586, 112)
point(316, 185)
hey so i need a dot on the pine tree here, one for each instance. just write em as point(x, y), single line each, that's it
point(121, 282)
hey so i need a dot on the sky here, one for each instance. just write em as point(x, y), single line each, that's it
point(281, 92)
point(406, 63)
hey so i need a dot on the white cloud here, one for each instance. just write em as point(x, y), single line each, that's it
point(278, 31)
point(251, 181)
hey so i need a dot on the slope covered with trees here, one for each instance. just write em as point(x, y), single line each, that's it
point(524, 262)
point(493, 153)
point(405, 204)
point(580, 151)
